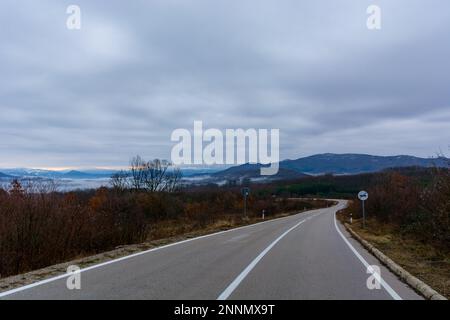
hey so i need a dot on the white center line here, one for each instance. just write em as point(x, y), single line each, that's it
point(229, 290)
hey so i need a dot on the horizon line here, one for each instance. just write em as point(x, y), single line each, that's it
point(118, 168)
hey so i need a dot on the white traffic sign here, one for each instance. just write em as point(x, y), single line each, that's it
point(363, 195)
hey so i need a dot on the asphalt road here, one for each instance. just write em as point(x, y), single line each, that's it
point(304, 256)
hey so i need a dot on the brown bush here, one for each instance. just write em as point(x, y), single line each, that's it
point(39, 229)
point(393, 198)
point(433, 218)
point(419, 210)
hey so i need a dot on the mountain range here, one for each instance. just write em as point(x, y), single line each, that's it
point(357, 163)
point(2, 175)
point(338, 164)
point(51, 174)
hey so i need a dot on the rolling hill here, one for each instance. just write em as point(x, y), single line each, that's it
point(252, 171)
point(332, 163)
point(6, 176)
point(357, 163)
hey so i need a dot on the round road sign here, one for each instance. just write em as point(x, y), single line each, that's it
point(363, 195)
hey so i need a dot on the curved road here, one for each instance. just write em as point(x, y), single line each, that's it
point(304, 256)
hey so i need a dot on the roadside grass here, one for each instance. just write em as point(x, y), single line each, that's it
point(187, 228)
point(428, 263)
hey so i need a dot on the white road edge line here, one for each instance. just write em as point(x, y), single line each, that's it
point(388, 288)
point(229, 290)
point(65, 275)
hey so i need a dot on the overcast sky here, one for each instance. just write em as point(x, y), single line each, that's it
point(137, 70)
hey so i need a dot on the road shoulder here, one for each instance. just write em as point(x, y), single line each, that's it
point(415, 283)
point(398, 286)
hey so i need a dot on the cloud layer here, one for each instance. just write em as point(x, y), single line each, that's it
point(136, 71)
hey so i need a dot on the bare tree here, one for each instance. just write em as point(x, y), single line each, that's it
point(138, 168)
point(120, 181)
point(172, 181)
point(156, 175)
point(152, 176)
point(40, 186)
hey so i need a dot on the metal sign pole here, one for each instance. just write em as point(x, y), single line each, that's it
point(245, 206)
point(245, 193)
point(363, 196)
point(364, 215)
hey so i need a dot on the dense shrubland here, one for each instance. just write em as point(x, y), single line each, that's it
point(414, 206)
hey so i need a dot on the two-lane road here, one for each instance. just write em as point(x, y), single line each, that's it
point(304, 256)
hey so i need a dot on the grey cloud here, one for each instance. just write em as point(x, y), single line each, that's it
point(136, 71)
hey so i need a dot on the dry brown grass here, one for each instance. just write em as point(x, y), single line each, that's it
point(186, 227)
point(423, 260)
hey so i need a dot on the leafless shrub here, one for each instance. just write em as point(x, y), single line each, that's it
point(151, 176)
point(435, 207)
point(120, 181)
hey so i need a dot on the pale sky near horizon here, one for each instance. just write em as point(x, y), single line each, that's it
point(138, 70)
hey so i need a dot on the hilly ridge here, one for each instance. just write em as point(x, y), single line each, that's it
point(3, 175)
point(339, 164)
point(351, 163)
